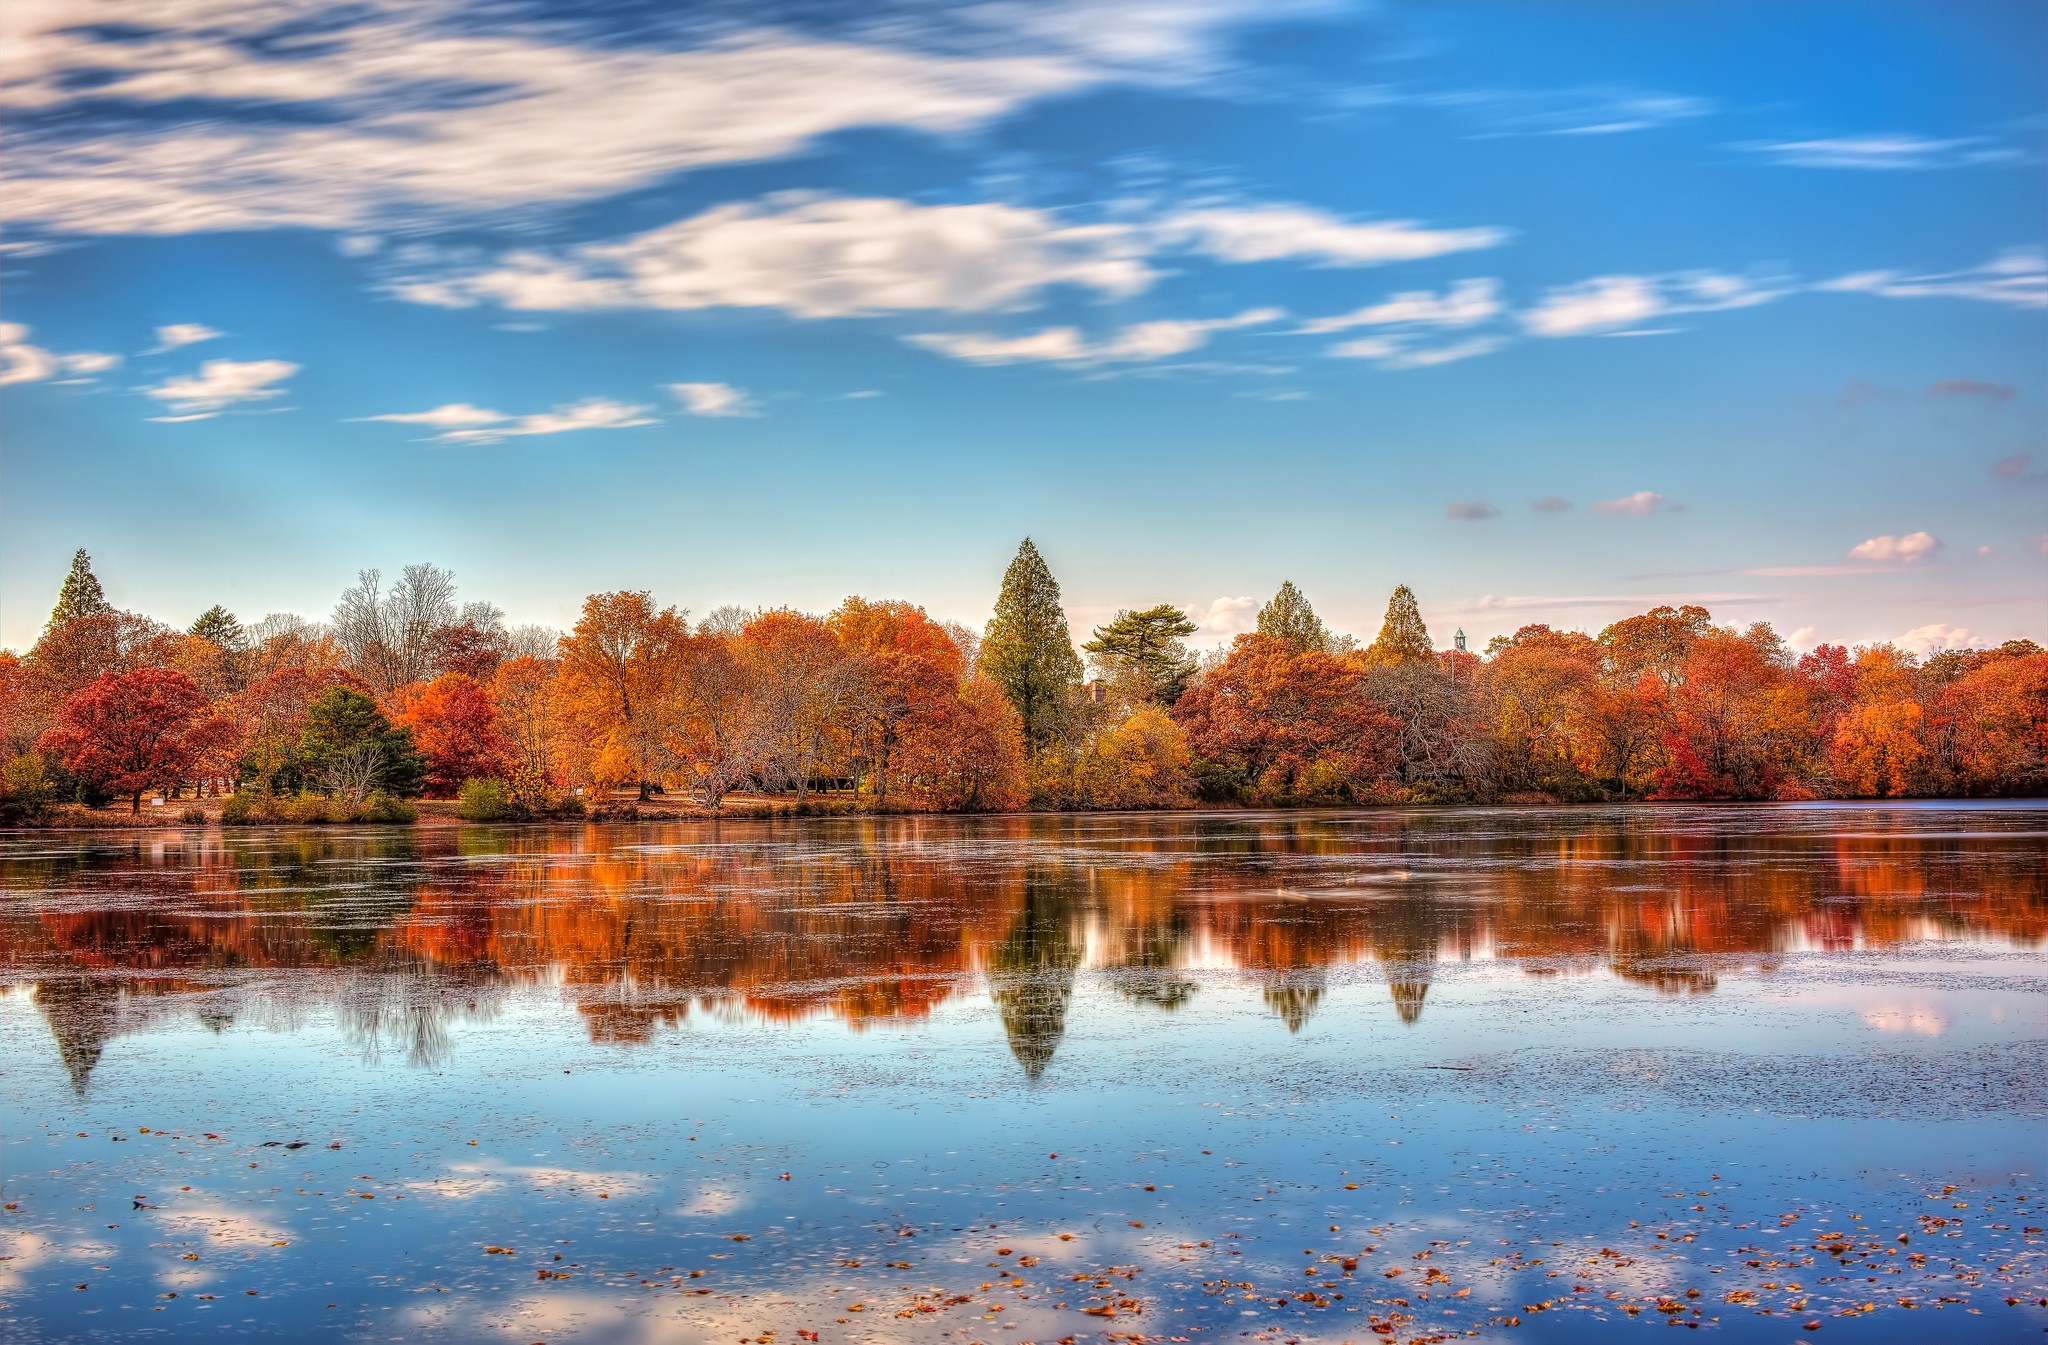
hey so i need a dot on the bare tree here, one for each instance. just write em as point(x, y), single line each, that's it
point(389, 636)
point(541, 642)
point(352, 773)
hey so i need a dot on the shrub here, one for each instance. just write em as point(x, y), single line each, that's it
point(194, 816)
point(246, 806)
point(382, 807)
point(25, 790)
point(484, 801)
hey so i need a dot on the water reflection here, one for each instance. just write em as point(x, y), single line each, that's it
point(877, 921)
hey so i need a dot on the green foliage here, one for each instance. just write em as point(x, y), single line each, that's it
point(1142, 652)
point(1289, 617)
point(218, 624)
point(26, 792)
point(1027, 650)
point(382, 807)
point(81, 594)
point(484, 801)
point(344, 728)
point(1402, 638)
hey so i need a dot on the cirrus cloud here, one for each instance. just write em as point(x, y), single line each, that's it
point(220, 384)
point(1141, 341)
point(461, 423)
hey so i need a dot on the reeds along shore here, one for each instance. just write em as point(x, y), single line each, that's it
point(875, 706)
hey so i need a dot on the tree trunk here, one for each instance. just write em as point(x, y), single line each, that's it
point(135, 802)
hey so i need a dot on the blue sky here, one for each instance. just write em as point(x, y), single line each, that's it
point(1552, 312)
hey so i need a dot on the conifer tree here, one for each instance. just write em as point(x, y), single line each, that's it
point(1289, 617)
point(81, 594)
point(1402, 638)
point(1027, 649)
point(1145, 648)
point(218, 624)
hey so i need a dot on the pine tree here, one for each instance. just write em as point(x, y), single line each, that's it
point(81, 594)
point(1289, 617)
point(1145, 648)
point(1027, 649)
point(218, 624)
point(1402, 638)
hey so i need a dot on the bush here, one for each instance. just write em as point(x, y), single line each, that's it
point(484, 801)
point(193, 816)
point(382, 807)
point(25, 790)
point(246, 806)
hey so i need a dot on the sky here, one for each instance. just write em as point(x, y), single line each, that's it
point(1551, 311)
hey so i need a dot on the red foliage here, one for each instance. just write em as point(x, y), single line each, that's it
point(455, 727)
point(128, 732)
point(1289, 723)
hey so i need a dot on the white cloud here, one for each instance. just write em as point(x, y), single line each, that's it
point(1612, 305)
point(181, 334)
point(2018, 277)
point(1393, 352)
point(1884, 152)
point(1226, 615)
point(1465, 304)
point(1914, 546)
point(815, 256)
point(21, 361)
point(593, 413)
point(1940, 635)
point(432, 107)
point(1639, 505)
point(454, 415)
point(1158, 340)
point(1259, 233)
point(220, 384)
point(712, 399)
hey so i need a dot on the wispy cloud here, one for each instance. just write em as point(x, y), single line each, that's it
point(1885, 153)
point(401, 110)
point(1619, 305)
point(1261, 233)
point(178, 334)
point(2017, 277)
point(22, 361)
point(1642, 504)
point(461, 423)
point(1970, 387)
point(1470, 511)
point(1904, 550)
point(220, 384)
point(1142, 341)
point(713, 399)
point(1575, 111)
point(1465, 304)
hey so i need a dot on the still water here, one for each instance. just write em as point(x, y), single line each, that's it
point(1555, 1075)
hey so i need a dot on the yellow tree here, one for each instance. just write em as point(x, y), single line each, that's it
point(613, 668)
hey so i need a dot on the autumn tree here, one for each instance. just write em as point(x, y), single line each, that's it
point(522, 695)
point(967, 753)
point(390, 634)
point(615, 668)
point(1289, 619)
point(454, 726)
point(706, 717)
point(904, 677)
point(128, 732)
point(801, 679)
point(1279, 724)
point(1540, 688)
point(270, 715)
point(1402, 638)
point(1141, 761)
point(1143, 653)
point(1028, 651)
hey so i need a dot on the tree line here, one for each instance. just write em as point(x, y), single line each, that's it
point(877, 706)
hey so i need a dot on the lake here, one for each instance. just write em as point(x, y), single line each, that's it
point(1775, 1072)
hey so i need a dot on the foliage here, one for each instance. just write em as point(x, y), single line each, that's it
point(349, 750)
point(81, 595)
point(1279, 724)
point(1143, 654)
point(454, 726)
point(1028, 651)
point(1402, 638)
point(485, 801)
point(26, 792)
point(130, 732)
point(1289, 618)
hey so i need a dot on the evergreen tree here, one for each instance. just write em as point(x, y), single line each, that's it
point(1289, 617)
point(346, 726)
point(1027, 649)
point(1145, 648)
point(81, 594)
point(218, 624)
point(1402, 638)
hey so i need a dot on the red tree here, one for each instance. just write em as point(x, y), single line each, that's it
point(1287, 724)
point(455, 725)
point(128, 732)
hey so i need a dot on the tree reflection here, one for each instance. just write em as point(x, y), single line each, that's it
point(878, 921)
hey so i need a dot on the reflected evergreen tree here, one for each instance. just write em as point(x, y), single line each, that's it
point(1404, 940)
point(1147, 972)
point(1031, 974)
point(1294, 995)
point(83, 1014)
